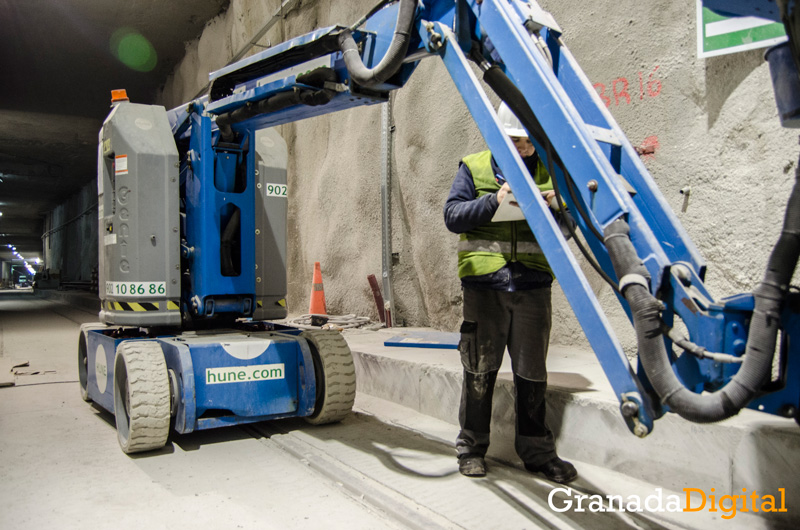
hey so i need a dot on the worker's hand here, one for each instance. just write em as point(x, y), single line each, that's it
point(502, 192)
point(550, 198)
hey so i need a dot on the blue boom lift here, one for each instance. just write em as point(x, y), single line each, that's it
point(193, 233)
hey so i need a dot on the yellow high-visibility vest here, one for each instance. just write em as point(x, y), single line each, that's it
point(489, 247)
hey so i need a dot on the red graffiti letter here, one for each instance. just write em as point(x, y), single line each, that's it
point(653, 85)
point(623, 92)
point(601, 91)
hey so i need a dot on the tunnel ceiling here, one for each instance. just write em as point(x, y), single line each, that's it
point(60, 59)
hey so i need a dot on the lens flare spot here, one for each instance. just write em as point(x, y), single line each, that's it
point(133, 50)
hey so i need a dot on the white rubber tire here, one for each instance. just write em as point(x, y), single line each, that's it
point(336, 385)
point(141, 396)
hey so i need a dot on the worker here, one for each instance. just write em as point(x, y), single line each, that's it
point(506, 282)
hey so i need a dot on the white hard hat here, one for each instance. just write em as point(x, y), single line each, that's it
point(511, 125)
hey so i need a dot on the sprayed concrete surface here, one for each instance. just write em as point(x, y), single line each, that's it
point(385, 466)
point(711, 123)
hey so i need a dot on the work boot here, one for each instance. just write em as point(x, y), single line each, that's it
point(556, 470)
point(471, 465)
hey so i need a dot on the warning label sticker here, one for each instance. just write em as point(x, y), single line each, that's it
point(121, 165)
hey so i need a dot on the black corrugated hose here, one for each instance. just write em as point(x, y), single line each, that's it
point(757, 366)
point(391, 61)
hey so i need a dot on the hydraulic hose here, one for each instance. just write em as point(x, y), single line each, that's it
point(757, 365)
point(634, 279)
point(282, 100)
point(391, 61)
point(504, 87)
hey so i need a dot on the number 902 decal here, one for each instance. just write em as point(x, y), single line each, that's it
point(277, 190)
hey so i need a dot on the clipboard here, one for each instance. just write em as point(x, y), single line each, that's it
point(508, 211)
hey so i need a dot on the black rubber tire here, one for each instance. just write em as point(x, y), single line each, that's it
point(141, 396)
point(83, 358)
point(335, 376)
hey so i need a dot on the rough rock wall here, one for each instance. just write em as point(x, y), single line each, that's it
point(712, 124)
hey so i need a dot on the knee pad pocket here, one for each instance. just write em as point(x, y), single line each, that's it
point(468, 345)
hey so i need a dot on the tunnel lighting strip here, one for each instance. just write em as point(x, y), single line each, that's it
point(17, 254)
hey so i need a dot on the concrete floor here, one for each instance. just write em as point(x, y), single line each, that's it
point(388, 465)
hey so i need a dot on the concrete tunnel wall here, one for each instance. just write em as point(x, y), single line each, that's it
point(70, 238)
point(712, 123)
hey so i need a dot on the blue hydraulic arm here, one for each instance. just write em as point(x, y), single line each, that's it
point(637, 407)
point(635, 239)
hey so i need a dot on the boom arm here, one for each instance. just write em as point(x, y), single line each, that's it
point(635, 239)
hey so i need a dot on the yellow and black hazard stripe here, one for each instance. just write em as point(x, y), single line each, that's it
point(111, 305)
point(281, 302)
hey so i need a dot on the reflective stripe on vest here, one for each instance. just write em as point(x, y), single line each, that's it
point(488, 248)
point(498, 247)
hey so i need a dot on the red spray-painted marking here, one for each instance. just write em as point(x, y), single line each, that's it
point(648, 148)
point(621, 87)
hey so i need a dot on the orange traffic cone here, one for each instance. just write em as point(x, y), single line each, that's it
point(317, 306)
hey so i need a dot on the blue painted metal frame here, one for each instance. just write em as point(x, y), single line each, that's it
point(375, 37)
point(94, 341)
point(205, 206)
point(582, 132)
point(575, 285)
point(293, 395)
point(239, 402)
point(274, 51)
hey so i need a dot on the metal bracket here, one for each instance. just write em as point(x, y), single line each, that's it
point(633, 279)
point(537, 18)
point(336, 87)
point(633, 412)
point(601, 134)
point(435, 42)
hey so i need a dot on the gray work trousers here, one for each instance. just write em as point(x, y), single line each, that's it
point(494, 320)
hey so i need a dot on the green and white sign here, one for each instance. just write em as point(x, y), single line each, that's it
point(720, 34)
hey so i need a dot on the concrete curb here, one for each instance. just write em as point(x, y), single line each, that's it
point(752, 451)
